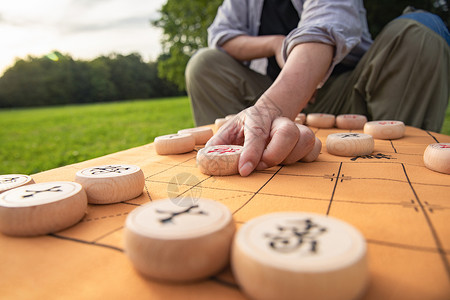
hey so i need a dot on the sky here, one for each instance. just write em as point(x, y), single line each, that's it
point(84, 29)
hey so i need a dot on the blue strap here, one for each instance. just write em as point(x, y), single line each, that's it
point(432, 21)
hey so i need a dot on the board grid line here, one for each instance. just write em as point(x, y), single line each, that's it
point(431, 227)
point(334, 189)
point(62, 237)
point(254, 194)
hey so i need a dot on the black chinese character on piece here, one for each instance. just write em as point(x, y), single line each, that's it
point(192, 210)
point(54, 189)
point(291, 238)
point(108, 169)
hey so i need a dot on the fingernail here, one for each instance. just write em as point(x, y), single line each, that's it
point(246, 169)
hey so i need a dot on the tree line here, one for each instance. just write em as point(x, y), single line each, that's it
point(59, 79)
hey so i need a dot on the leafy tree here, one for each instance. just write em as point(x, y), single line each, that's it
point(101, 86)
point(58, 79)
point(38, 81)
point(184, 24)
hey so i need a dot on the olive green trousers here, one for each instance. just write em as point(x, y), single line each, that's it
point(404, 76)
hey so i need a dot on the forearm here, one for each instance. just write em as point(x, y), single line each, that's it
point(246, 47)
point(304, 69)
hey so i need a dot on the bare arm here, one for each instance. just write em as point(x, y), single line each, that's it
point(305, 68)
point(268, 136)
point(246, 47)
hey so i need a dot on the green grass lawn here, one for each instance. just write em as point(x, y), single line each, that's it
point(34, 140)
point(38, 139)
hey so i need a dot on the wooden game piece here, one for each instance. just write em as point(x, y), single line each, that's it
point(320, 120)
point(314, 154)
point(385, 130)
point(350, 144)
point(174, 144)
point(293, 255)
point(351, 121)
point(177, 243)
point(11, 181)
point(219, 122)
point(111, 183)
point(300, 119)
point(437, 157)
point(219, 160)
point(41, 208)
point(201, 134)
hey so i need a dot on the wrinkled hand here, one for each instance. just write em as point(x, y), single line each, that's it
point(268, 138)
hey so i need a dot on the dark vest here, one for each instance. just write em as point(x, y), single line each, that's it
point(278, 17)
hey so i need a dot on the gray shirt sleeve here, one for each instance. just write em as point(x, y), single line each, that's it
point(234, 18)
point(340, 23)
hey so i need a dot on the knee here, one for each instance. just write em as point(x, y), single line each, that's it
point(199, 64)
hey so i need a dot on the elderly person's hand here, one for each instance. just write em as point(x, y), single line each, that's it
point(268, 138)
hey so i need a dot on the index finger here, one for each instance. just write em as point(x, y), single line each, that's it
point(256, 134)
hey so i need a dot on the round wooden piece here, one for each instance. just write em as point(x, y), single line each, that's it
point(111, 183)
point(437, 157)
point(179, 243)
point(314, 154)
point(219, 122)
point(300, 119)
point(219, 160)
point(351, 121)
point(41, 208)
point(320, 120)
point(350, 144)
point(385, 130)
point(201, 134)
point(174, 144)
point(294, 255)
point(11, 181)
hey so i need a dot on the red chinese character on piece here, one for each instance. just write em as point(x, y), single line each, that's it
point(442, 146)
point(350, 117)
point(222, 150)
point(387, 123)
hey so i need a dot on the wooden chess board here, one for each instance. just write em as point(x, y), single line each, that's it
point(401, 208)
